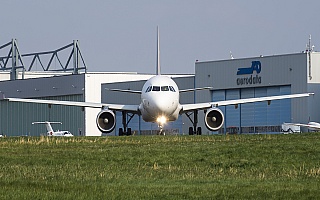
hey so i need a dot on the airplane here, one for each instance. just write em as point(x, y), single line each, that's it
point(312, 126)
point(160, 104)
point(51, 132)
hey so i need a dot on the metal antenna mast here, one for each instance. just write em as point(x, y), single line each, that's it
point(309, 50)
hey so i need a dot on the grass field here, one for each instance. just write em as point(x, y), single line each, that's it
point(161, 167)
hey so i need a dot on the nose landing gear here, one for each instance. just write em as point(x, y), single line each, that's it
point(161, 131)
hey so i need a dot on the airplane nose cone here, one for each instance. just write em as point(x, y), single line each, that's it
point(164, 106)
point(160, 105)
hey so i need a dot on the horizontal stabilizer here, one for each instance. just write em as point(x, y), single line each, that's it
point(127, 91)
point(46, 122)
point(194, 89)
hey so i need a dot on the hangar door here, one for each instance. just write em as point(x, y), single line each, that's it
point(255, 117)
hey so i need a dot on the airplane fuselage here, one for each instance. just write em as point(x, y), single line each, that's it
point(50, 130)
point(315, 126)
point(60, 133)
point(160, 98)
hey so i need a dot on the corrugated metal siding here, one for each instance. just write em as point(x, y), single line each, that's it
point(276, 71)
point(254, 117)
point(16, 117)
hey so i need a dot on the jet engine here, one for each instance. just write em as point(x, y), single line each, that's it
point(214, 119)
point(106, 121)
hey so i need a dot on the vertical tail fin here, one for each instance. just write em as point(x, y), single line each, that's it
point(49, 127)
point(158, 52)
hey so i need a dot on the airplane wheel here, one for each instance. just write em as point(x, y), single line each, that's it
point(129, 131)
point(120, 132)
point(190, 131)
point(199, 131)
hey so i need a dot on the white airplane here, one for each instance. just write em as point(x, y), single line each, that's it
point(160, 104)
point(51, 132)
point(312, 126)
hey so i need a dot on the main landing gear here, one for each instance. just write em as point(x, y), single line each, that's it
point(194, 130)
point(125, 130)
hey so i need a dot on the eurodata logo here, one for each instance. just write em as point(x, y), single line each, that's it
point(249, 80)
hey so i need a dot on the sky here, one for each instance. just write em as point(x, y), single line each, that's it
point(120, 35)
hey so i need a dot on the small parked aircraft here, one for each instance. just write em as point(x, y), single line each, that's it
point(51, 132)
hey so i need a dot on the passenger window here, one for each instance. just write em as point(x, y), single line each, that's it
point(156, 88)
point(164, 88)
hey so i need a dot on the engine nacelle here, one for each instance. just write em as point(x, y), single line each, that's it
point(106, 121)
point(214, 119)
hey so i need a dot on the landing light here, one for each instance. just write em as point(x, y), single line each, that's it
point(162, 120)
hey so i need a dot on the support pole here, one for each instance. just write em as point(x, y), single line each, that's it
point(124, 121)
point(14, 58)
point(195, 121)
point(75, 57)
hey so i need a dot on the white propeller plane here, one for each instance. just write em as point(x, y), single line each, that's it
point(51, 132)
point(160, 104)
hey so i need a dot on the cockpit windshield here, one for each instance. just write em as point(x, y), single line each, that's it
point(164, 88)
point(155, 88)
point(160, 88)
point(172, 89)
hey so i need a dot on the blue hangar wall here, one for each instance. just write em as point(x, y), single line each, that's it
point(257, 77)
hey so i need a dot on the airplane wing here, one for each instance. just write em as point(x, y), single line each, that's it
point(202, 106)
point(306, 125)
point(129, 108)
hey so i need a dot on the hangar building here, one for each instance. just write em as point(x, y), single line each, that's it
point(257, 77)
point(230, 79)
point(17, 117)
point(65, 77)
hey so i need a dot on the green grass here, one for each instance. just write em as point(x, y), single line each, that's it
point(161, 167)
